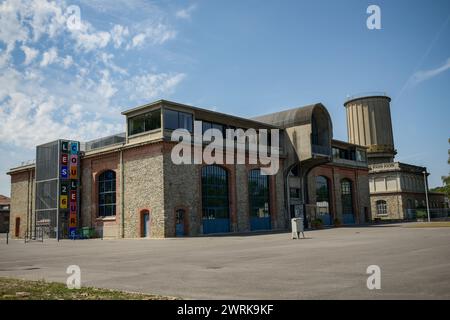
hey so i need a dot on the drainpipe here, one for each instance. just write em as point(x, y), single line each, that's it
point(122, 187)
point(28, 205)
point(288, 197)
point(33, 223)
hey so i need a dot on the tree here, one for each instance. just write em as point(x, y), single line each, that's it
point(445, 180)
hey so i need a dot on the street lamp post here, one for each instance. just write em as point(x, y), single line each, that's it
point(426, 193)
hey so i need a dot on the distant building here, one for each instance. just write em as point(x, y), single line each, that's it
point(4, 213)
point(397, 190)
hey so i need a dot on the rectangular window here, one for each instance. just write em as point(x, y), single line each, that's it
point(218, 127)
point(360, 156)
point(170, 119)
point(335, 153)
point(185, 121)
point(177, 120)
point(294, 192)
point(206, 126)
point(144, 122)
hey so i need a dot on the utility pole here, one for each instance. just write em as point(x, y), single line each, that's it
point(426, 193)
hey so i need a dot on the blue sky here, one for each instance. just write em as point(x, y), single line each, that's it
point(241, 57)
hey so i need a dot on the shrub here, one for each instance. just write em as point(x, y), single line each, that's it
point(337, 222)
point(421, 214)
point(317, 223)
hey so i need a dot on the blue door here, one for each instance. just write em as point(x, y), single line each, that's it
point(179, 223)
point(348, 218)
point(257, 223)
point(146, 224)
point(216, 225)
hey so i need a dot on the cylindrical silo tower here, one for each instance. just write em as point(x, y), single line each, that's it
point(369, 124)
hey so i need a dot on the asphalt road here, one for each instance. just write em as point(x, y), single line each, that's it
point(328, 264)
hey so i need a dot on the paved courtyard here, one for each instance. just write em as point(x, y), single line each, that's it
point(328, 264)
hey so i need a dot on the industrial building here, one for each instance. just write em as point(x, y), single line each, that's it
point(127, 186)
point(397, 189)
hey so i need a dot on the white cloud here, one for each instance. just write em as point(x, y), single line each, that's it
point(186, 13)
point(150, 86)
point(39, 104)
point(67, 62)
point(11, 29)
point(137, 40)
point(118, 35)
point(424, 75)
point(89, 41)
point(106, 88)
point(49, 57)
point(160, 33)
point(107, 59)
point(155, 35)
point(30, 54)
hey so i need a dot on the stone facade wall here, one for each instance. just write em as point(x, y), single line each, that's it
point(394, 204)
point(243, 206)
point(22, 202)
point(182, 190)
point(144, 190)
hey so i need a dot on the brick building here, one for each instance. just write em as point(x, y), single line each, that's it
point(128, 186)
point(4, 213)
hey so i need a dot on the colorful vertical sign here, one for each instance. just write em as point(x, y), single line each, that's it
point(69, 182)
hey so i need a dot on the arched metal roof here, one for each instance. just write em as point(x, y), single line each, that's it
point(292, 117)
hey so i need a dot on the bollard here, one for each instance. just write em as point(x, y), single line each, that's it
point(7, 237)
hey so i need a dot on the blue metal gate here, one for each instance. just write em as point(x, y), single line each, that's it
point(260, 223)
point(348, 219)
point(218, 225)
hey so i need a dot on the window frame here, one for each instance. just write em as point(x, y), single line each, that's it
point(146, 116)
point(215, 189)
point(346, 194)
point(110, 194)
point(180, 114)
point(381, 206)
point(258, 192)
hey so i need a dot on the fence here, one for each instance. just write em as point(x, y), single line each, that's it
point(35, 235)
point(435, 213)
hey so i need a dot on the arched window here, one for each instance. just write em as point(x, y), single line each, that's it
point(347, 201)
point(215, 203)
point(258, 192)
point(381, 207)
point(107, 194)
point(323, 199)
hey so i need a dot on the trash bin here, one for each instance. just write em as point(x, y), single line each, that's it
point(86, 232)
point(297, 227)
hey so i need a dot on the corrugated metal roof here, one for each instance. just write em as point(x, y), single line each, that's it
point(291, 117)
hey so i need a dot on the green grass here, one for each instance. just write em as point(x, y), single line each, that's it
point(16, 289)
